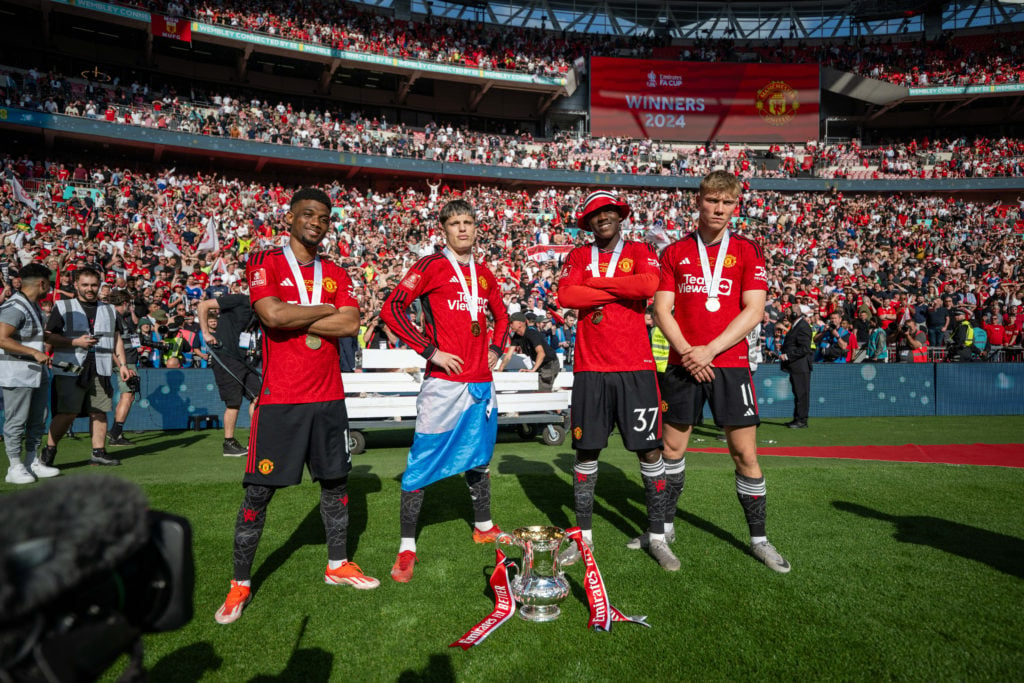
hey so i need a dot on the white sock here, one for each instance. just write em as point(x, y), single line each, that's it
point(588, 536)
point(334, 564)
point(407, 544)
point(483, 526)
point(247, 582)
point(754, 540)
point(670, 528)
point(656, 537)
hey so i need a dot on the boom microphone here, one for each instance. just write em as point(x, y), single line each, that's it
point(85, 569)
point(63, 532)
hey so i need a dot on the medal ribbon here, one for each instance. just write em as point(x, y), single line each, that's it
point(602, 614)
point(504, 605)
point(595, 269)
point(712, 281)
point(471, 292)
point(594, 258)
point(318, 277)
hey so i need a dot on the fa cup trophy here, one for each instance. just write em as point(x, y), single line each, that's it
point(539, 585)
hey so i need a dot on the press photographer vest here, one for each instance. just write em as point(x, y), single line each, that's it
point(76, 324)
point(660, 348)
point(173, 350)
point(15, 372)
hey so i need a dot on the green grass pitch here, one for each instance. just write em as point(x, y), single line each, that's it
point(900, 571)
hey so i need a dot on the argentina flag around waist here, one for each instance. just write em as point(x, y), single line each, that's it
point(456, 425)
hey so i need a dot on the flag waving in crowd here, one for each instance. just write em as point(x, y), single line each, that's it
point(210, 240)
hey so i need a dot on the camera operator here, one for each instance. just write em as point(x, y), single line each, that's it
point(173, 347)
point(832, 341)
point(911, 343)
point(127, 328)
point(230, 343)
point(83, 331)
point(24, 376)
point(378, 335)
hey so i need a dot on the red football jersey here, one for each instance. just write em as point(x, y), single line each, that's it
point(681, 273)
point(292, 371)
point(447, 322)
point(619, 342)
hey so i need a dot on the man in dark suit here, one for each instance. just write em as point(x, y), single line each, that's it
point(796, 360)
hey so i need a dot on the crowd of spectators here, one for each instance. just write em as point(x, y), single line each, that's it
point(986, 59)
point(979, 60)
point(983, 59)
point(250, 118)
point(344, 26)
point(171, 238)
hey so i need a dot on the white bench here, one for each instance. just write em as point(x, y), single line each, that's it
point(384, 395)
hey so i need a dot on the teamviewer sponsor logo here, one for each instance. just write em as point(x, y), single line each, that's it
point(694, 284)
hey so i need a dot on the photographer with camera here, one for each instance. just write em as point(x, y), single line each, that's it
point(378, 335)
point(832, 341)
point(128, 329)
point(83, 331)
point(24, 376)
point(173, 347)
point(230, 338)
point(911, 343)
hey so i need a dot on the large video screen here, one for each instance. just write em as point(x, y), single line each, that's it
point(698, 101)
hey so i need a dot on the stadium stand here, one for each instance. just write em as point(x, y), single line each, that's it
point(865, 233)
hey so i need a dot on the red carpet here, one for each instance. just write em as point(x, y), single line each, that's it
point(995, 455)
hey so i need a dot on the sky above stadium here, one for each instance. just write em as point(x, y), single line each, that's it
point(741, 20)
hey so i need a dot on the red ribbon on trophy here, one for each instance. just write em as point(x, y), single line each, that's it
point(602, 614)
point(504, 605)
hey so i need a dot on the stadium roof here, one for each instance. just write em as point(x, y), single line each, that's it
point(794, 19)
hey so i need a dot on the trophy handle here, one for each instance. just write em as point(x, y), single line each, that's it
point(507, 542)
point(558, 553)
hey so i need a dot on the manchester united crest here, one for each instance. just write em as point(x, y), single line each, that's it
point(626, 265)
point(777, 103)
point(730, 261)
point(483, 282)
point(664, 406)
point(330, 286)
point(577, 433)
point(266, 466)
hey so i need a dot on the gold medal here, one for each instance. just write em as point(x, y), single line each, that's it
point(597, 317)
point(313, 341)
point(475, 328)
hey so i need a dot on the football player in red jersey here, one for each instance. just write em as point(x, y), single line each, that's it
point(456, 413)
point(304, 305)
point(614, 383)
point(712, 293)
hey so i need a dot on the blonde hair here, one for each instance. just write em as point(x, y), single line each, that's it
point(718, 182)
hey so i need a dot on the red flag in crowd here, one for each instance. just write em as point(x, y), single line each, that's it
point(175, 28)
